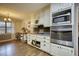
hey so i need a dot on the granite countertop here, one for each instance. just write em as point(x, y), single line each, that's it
point(43, 34)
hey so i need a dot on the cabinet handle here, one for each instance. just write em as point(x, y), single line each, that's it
point(71, 51)
point(58, 47)
point(44, 38)
point(44, 41)
point(44, 45)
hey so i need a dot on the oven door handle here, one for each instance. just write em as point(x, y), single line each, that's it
point(61, 29)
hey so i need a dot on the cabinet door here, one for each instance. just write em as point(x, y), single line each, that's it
point(41, 15)
point(46, 39)
point(66, 51)
point(25, 37)
point(47, 18)
point(60, 6)
point(29, 39)
point(42, 46)
point(59, 50)
point(53, 49)
point(45, 47)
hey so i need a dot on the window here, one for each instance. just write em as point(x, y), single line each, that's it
point(9, 27)
point(2, 27)
point(5, 27)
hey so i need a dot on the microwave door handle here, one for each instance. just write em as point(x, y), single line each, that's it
point(62, 15)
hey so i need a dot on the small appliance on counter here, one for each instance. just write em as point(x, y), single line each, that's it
point(36, 43)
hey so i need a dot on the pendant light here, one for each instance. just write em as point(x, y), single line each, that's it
point(7, 18)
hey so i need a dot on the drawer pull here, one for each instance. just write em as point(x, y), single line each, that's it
point(58, 47)
point(44, 38)
point(71, 51)
point(44, 41)
point(44, 45)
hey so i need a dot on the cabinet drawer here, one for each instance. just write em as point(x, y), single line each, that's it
point(67, 51)
point(53, 49)
point(46, 39)
point(61, 50)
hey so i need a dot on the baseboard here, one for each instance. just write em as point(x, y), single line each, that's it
point(6, 40)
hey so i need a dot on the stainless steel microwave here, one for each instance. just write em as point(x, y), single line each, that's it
point(63, 17)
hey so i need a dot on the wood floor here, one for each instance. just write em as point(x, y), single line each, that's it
point(16, 48)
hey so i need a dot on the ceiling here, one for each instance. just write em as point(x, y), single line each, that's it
point(19, 10)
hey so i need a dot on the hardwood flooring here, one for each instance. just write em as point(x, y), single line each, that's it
point(16, 48)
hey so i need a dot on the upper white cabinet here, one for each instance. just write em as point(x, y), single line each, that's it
point(44, 17)
point(55, 7)
point(47, 18)
point(41, 18)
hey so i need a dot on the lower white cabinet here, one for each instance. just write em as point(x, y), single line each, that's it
point(23, 38)
point(29, 39)
point(59, 50)
point(51, 48)
point(45, 47)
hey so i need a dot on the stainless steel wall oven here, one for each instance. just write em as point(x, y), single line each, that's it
point(62, 35)
point(61, 29)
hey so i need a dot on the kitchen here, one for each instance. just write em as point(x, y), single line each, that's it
point(52, 28)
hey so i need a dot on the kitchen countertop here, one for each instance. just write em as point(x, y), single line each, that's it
point(43, 34)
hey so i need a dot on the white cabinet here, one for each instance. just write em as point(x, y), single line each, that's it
point(45, 47)
point(59, 50)
point(29, 39)
point(47, 18)
point(23, 37)
point(60, 6)
point(44, 40)
point(41, 18)
point(44, 18)
point(38, 38)
point(45, 44)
